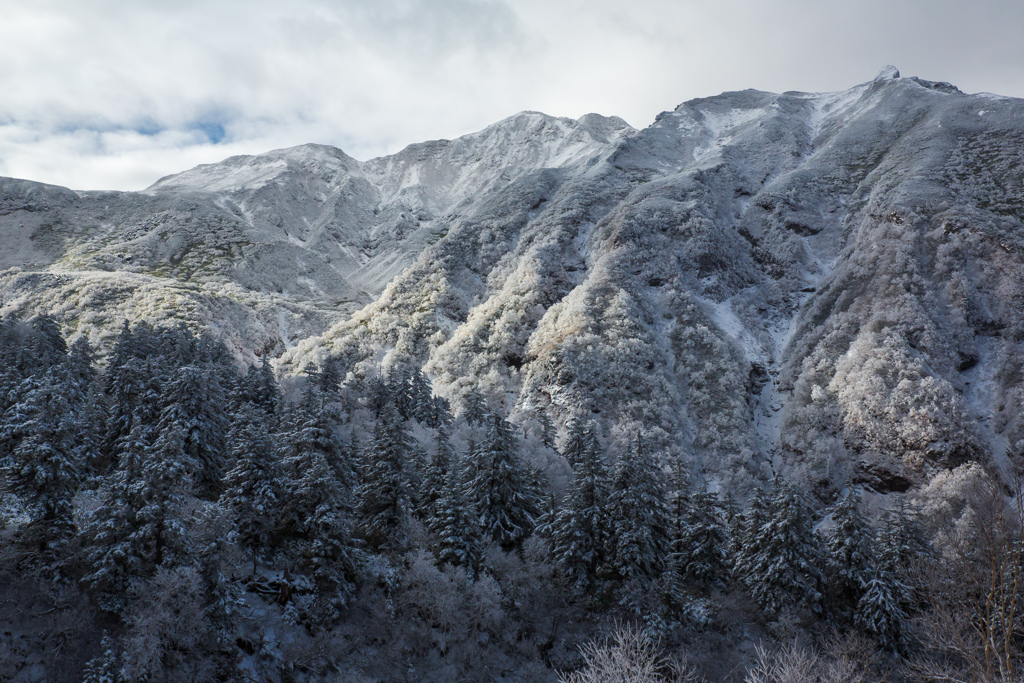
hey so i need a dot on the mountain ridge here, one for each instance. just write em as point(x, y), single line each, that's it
point(814, 283)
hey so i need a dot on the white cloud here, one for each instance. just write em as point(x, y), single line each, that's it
point(109, 94)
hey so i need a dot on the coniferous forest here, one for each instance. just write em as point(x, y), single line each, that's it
point(168, 515)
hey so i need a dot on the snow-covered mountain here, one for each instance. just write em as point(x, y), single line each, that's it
point(825, 284)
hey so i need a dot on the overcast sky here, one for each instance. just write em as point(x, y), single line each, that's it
point(110, 94)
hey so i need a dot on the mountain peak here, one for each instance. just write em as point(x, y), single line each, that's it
point(888, 73)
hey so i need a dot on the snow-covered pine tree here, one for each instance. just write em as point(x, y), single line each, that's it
point(328, 543)
point(784, 561)
point(440, 412)
point(456, 523)
point(547, 429)
point(330, 375)
point(579, 532)
point(253, 486)
point(501, 487)
point(137, 526)
point(46, 463)
point(195, 408)
point(156, 496)
point(105, 667)
point(401, 392)
point(259, 388)
point(474, 409)
point(421, 397)
point(700, 552)
point(48, 347)
point(435, 477)
point(848, 553)
point(311, 425)
point(881, 609)
point(386, 494)
point(638, 518)
point(745, 534)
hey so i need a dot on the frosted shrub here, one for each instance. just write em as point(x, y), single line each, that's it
point(629, 655)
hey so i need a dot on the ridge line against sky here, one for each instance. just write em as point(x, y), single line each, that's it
point(114, 95)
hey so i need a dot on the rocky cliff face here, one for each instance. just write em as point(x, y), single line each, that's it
point(828, 285)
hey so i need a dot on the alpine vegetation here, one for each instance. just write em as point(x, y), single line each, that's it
point(733, 397)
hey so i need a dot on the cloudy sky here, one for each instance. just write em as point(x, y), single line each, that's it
point(113, 94)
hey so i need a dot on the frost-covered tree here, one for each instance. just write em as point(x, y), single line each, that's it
point(579, 531)
point(421, 398)
point(638, 518)
point(253, 487)
point(48, 347)
point(435, 475)
point(501, 487)
point(310, 426)
point(782, 563)
point(259, 388)
point(328, 542)
point(848, 552)
point(387, 491)
point(138, 525)
point(456, 522)
point(882, 610)
point(474, 409)
point(105, 667)
point(699, 548)
point(196, 411)
point(46, 463)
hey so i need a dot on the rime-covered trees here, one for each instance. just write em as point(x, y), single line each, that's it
point(699, 544)
point(46, 463)
point(579, 531)
point(387, 491)
point(254, 486)
point(848, 552)
point(637, 516)
point(779, 560)
point(195, 414)
point(138, 525)
point(501, 487)
point(882, 610)
point(457, 524)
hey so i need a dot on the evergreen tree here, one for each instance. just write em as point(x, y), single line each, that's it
point(848, 552)
point(501, 488)
point(579, 533)
point(138, 525)
point(311, 426)
point(195, 410)
point(784, 559)
point(421, 397)
point(474, 410)
point(440, 413)
point(386, 495)
point(699, 550)
point(326, 533)
point(105, 668)
point(456, 523)
point(746, 534)
point(48, 346)
point(253, 487)
point(547, 429)
point(880, 611)
point(436, 475)
point(259, 388)
point(328, 378)
point(46, 462)
point(638, 517)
